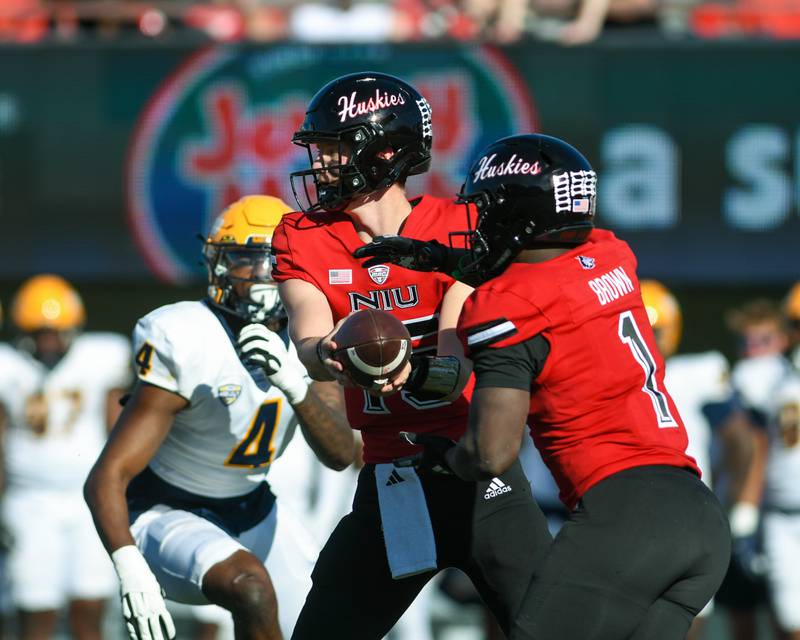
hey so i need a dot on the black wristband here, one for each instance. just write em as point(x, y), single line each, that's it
point(434, 376)
point(419, 371)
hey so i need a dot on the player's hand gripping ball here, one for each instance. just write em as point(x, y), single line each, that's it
point(372, 346)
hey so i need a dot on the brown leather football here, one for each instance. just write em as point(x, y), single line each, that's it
point(372, 346)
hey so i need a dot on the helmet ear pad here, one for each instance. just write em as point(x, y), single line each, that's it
point(381, 172)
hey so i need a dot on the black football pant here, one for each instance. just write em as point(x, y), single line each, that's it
point(643, 553)
point(500, 543)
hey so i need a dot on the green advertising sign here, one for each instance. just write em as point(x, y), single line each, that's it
point(112, 159)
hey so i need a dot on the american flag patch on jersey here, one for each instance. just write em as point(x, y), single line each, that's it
point(340, 276)
point(490, 332)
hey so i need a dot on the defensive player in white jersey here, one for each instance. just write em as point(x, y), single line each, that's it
point(179, 494)
point(59, 390)
point(782, 506)
point(761, 343)
point(698, 382)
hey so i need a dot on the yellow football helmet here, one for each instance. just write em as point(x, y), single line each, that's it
point(664, 314)
point(791, 305)
point(47, 302)
point(237, 249)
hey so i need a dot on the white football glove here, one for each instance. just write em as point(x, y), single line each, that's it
point(264, 347)
point(143, 605)
point(743, 519)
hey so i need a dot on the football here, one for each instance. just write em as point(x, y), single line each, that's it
point(372, 346)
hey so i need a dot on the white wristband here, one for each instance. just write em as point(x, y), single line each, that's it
point(743, 519)
point(295, 389)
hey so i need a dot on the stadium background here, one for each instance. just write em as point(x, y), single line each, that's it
point(113, 155)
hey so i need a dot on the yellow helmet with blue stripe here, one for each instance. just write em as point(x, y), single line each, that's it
point(237, 250)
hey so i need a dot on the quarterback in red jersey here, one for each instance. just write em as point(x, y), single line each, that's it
point(365, 134)
point(560, 340)
point(316, 249)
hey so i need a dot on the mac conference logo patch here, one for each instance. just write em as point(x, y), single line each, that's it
point(229, 393)
point(379, 273)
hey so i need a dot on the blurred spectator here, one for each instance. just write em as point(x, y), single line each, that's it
point(343, 21)
point(581, 21)
point(227, 20)
point(23, 20)
point(502, 21)
point(433, 19)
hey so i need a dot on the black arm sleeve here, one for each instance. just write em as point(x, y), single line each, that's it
point(514, 367)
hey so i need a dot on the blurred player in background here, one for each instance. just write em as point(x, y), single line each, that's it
point(179, 494)
point(365, 133)
point(59, 390)
point(761, 344)
point(700, 385)
point(782, 506)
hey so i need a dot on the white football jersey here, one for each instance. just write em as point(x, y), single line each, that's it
point(232, 429)
point(57, 417)
point(757, 378)
point(694, 381)
point(783, 465)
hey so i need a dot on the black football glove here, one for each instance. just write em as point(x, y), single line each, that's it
point(746, 541)
point(747, 555)
point(405, 252)
point(431, 458)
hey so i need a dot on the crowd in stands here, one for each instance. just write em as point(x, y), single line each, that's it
point(568, 22)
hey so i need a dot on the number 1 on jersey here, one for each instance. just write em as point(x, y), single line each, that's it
point(630, 335)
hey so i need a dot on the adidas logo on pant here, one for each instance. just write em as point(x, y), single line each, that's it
point(496, 487)
point(394, 478)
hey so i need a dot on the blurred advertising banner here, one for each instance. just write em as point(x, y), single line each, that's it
point(114, 159)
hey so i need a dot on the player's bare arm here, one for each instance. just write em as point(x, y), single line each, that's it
point(141, 428)
point(324, 423)
point(496, 422)
point(322, 417)
point(448, 343)
point(114, 401)
point(311, 328)
point(446, 374)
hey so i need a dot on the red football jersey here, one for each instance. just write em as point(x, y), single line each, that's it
point(318, 248)
point(599, 405)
